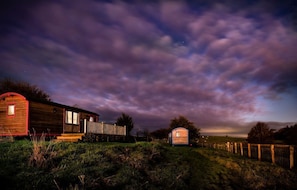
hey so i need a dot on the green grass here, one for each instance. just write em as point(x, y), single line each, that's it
point(136, 166)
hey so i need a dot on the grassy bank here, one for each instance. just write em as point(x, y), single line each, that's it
point(132, 166)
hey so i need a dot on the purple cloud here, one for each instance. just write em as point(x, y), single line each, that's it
point(154, 61)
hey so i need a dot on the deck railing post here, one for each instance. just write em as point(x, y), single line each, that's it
point(85, 125)
point(102, 127)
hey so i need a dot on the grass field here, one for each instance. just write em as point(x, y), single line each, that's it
point(133, 166)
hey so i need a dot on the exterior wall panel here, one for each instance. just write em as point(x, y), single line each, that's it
point(44, 118)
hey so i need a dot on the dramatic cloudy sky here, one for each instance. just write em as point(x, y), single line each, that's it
point(221, 64)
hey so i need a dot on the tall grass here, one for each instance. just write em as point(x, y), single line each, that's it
point(42, 152)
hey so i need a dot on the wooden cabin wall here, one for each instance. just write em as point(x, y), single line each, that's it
point(15, 124)
point(71, 128)
point(46, 118)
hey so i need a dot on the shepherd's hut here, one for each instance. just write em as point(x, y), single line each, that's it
point(20, 115)
point(179, 136)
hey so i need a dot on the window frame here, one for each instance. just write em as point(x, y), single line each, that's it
point(72, 117)
point(9, 114)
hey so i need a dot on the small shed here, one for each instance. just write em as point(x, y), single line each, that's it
point(179, 136)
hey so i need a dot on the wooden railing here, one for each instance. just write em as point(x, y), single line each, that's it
point(283, 155)
point(105, 129)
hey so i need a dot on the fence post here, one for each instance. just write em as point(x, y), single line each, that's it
point(291, 157)
point(272, 153)
point(249, 150)
point(235, 148)
point(259, 152)
point(241, 149)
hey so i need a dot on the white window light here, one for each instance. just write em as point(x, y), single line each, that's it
point(11, 110)
point(72, 117)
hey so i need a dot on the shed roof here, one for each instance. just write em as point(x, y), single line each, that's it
point(180, 128)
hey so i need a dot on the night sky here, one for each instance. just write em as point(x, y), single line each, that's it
point(222, 64)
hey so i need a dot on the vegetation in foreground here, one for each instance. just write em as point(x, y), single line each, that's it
point(45, 165)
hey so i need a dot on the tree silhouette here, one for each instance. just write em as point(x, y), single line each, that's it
point(182, 121)
point(23, 88)
point(160, 133)
point(287, 134)
point(125, 120)
point(260, 133)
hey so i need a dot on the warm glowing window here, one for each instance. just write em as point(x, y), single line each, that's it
point(75, 118)
point(177, 134)
point(11, 110)
point(72, 117)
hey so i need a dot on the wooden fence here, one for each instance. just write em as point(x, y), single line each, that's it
point(283, 155)
point(105, 129)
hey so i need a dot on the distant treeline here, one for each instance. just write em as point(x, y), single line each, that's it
point(287, 135)
point(262, 134)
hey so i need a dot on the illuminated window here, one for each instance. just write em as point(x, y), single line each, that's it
point(11, 110)
point(177, 134)
point(72, 117)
